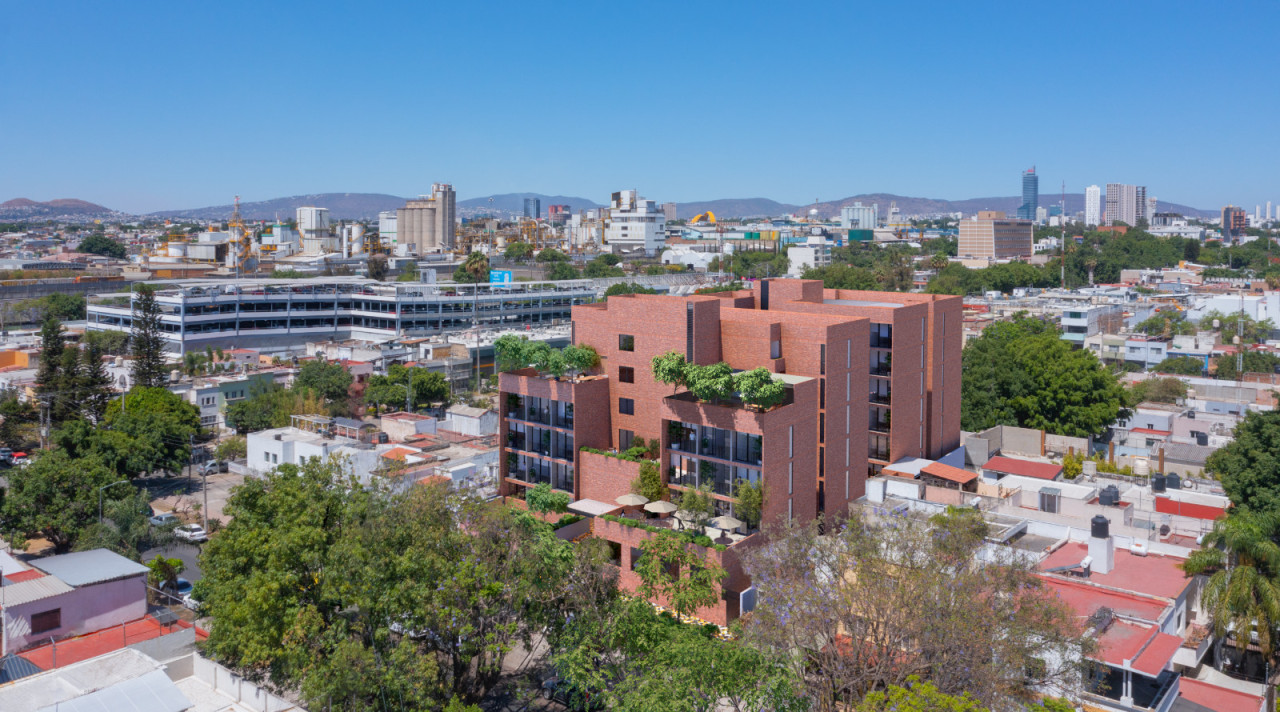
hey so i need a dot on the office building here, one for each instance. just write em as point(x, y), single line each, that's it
point(557, 213)
point(283, 313)
point(1126, 204)
point(427, 224)
point(635, 223)
point(1030, 195)
point(992, 236)
point(859, 216)
point(1042, 215)
point(847, 360)
point(1092, 206)
point(533, 208)
point(1268, 211)
point(313, 225)
point(1234, 221)
point(669, 211)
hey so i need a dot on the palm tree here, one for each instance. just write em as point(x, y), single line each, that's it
point(1091, 263)
point(1242, 595)
point(939, 261)
point(475, 270)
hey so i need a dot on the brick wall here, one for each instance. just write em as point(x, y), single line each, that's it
point(605, 478)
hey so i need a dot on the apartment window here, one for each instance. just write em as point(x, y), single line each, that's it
point(275, 459)
point(848, 353)
point(791, 477)
point(624, 439)
point(688, 331)
point(822, 393)
point(47, 621)
point(822, 427)
point(626, 342)
point(775, 349)
point(626, 374)
point(791, 441)
point(626, 406)
point(822, 359)
point(266, 457)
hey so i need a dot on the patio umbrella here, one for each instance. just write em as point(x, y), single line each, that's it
point(660, 507)
point(726, 522)
point(631, 500)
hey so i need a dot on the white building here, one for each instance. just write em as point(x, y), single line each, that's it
point(859, 216)
point(313, 223)
point(1126, 203)
point(281, 241)
point(1093, 206)
point(635, 223)
point(387, 228)
point(814, 253)
point(319, 437)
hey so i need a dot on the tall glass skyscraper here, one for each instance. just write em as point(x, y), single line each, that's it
point(1030, 195)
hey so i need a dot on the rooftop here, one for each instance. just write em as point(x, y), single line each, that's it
point(862, 303)
point(1025, 468)
point(1085, 599)
point(1153, 575)
point(1218, 699)
point(82, 568)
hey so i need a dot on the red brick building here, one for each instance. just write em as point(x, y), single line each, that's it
point(871, 377)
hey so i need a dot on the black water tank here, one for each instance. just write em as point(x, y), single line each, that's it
point(1157, 482)
point(1099, 527)
point(1110, 496)
point(1172, 481)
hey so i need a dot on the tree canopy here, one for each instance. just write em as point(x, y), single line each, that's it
point(1249, 466)
point(56, 497)
point(326, 379)
point(149, 361)
point(1021, 373)
point(103, 245)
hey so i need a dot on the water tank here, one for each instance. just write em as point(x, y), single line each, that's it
point(1089, 468)
point(1173, 481)
point(1157, 482)
point(1141, 468)
point(1110, 496)
point(119, 361)
point(1099, 527)
point(175, 375)
point(1202, 439)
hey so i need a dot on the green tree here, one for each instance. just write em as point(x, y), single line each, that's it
point(1166, 324)
point(628, 288)
point(326, 379)
point(518, 251)
point(233, 448)
point(710, 383)
point(648, 482)
point(376, 267)
point(603, 266)
point(759, 388)
point(102, 245)
point(149, 361)
point(418, 386)
point(1254, 362)
point(113, 343)
point(408, 271)
point(1181, 366)
point(551, 254)
point(842, 276)
point(94, 387)
point(1157, 390)
point(580, 358)
point(673, 571)
point(917, 696)
point(544, 500)
point(268, 406)
point(1021, 373)
point(57, 373)
point(125, 528)
point(164, 572)
point(1249, 466)
point(671, 368)
point(473, 270)
point(511, 352)
point(56, 497)
point(750, 502)
point(562, 270)
point(18, 422)
point(1241, 559)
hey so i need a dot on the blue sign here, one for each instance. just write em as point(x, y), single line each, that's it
point(500, 275)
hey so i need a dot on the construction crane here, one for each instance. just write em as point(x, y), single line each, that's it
point(242, 237)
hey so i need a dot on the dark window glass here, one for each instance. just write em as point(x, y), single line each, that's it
point(626, 342)
point(626, 374)
point(626, 406)
point(624, 439)
point(47, 621)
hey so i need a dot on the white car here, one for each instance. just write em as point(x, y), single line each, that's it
point(191, 532)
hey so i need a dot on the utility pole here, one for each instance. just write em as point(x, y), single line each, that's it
point(44, 423)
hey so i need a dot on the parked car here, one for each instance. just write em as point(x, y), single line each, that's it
point(193, 533)
point(20, 459)
point(164, 520)
point(213, 467)
point(570, 695)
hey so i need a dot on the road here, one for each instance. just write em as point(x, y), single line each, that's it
point(182, 494)
point(188, 553)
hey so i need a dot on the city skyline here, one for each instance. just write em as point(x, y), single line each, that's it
point(131, 112)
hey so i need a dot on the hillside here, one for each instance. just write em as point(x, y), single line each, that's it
point(735, 208)
point(933, 206)
point(26, 209)
point(514, 203)
point(342, 206)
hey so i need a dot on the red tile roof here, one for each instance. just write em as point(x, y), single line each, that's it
point(1152, 575)
point(399, 453)
point(1085, 600)
point(1121, 641)
point(1156, 656)
point(27, 575)
point(949, 473)
point(1218, 699)
point(1024, 468)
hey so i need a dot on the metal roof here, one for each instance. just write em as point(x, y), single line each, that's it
point(152, 692)
point(16, 594)
point(82, 568)
point(13, 668)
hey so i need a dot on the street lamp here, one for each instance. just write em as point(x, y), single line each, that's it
point(100, 489)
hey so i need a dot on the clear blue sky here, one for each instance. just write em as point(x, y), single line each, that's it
point(144, 106)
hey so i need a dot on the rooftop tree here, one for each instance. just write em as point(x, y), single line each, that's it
point(759, 388)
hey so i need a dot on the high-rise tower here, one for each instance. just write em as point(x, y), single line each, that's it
point(1030, 195)
point(1093, 206)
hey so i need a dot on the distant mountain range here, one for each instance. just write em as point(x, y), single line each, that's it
point(25, 209)
point(366, 206)
point(342, 206)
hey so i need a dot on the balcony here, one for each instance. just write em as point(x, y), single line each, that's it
point(881, 398)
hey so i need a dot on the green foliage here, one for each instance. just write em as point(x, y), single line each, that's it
point(18, 422)
point(512, 353)
point(648, 483)
point(164, 572)
point(670, 368)
point(408, 271)
point(102, 245)
point(843, 276)
point(955, 278)
point(1020, 373)
point(684, 536)
point(377, 267)
point(1249, 466)
point(473, 270)
point(64, 307)
point(750, 502)
point(1254, 362)
point(352, 596)
point(326, 379)
point(270, 406)
point(551, 254)
point(757, 264)
point(683, 577)
point(422, 386)
point(544, 500)
point(125, 528)
point(1157, 390)
point(629, 288)
point(562, 270)
point(56, 497)
point(111, 343)
point(518, 251)
point(152, 433)
point(709, 383)
point(603, 266)
point(149, 361)
point(733, 286)
point(917, 696)
point(1181, 366)
point(233, 448)
point(633, 454)
point(1230, 325)
point(758, 388)
point(1166, 323)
